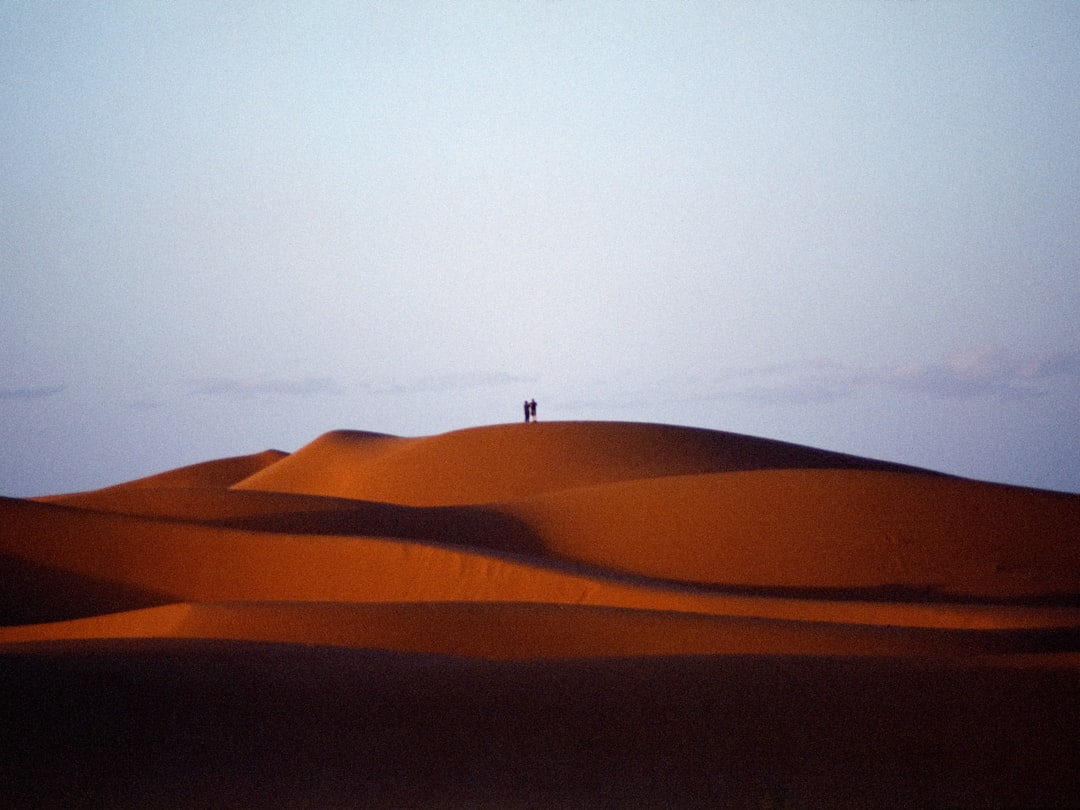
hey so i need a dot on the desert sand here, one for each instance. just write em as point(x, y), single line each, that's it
point(565, 614)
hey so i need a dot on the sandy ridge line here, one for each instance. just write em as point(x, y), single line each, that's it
point(519, 631)
point(205, 506)
point(496, 463)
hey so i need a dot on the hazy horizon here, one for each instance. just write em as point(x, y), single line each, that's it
point(850, 225)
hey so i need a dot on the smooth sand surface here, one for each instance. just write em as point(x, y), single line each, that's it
point(569, 614)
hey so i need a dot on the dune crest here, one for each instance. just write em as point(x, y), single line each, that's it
point(506, 462)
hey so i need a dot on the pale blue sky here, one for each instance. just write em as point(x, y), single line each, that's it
point(850, 225)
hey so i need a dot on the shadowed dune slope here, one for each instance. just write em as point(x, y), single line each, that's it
point(181, 723)
point(505, 462)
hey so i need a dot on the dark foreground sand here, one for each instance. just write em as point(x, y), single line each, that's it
point(547, 615)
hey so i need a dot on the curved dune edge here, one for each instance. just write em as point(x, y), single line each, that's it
point(819, 528)
point(209, 564)
point(518, 631)
point(509, 462)
point(797, 529)
point(213, 506)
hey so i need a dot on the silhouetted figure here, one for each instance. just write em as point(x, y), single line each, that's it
point(528, 411)
point(532, 409)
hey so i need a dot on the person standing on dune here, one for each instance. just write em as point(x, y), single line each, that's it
point(532, 409)
point(527, 410)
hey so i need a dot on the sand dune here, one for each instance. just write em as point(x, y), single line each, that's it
point(558, 553)
point(509, 462)
point(825, 529)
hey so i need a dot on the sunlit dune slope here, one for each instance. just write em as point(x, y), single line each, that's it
point(505, 462)
point(205, 562)
point(824, 529)
point(151, 562)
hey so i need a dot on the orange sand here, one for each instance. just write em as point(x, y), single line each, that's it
point(542, 561)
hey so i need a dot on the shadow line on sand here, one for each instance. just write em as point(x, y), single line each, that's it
point(495, 533)
point(884, 594)
point(476, 527)
point(31, 593)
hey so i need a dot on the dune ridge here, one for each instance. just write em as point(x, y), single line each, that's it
point(559, 542)
point(509, 462)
